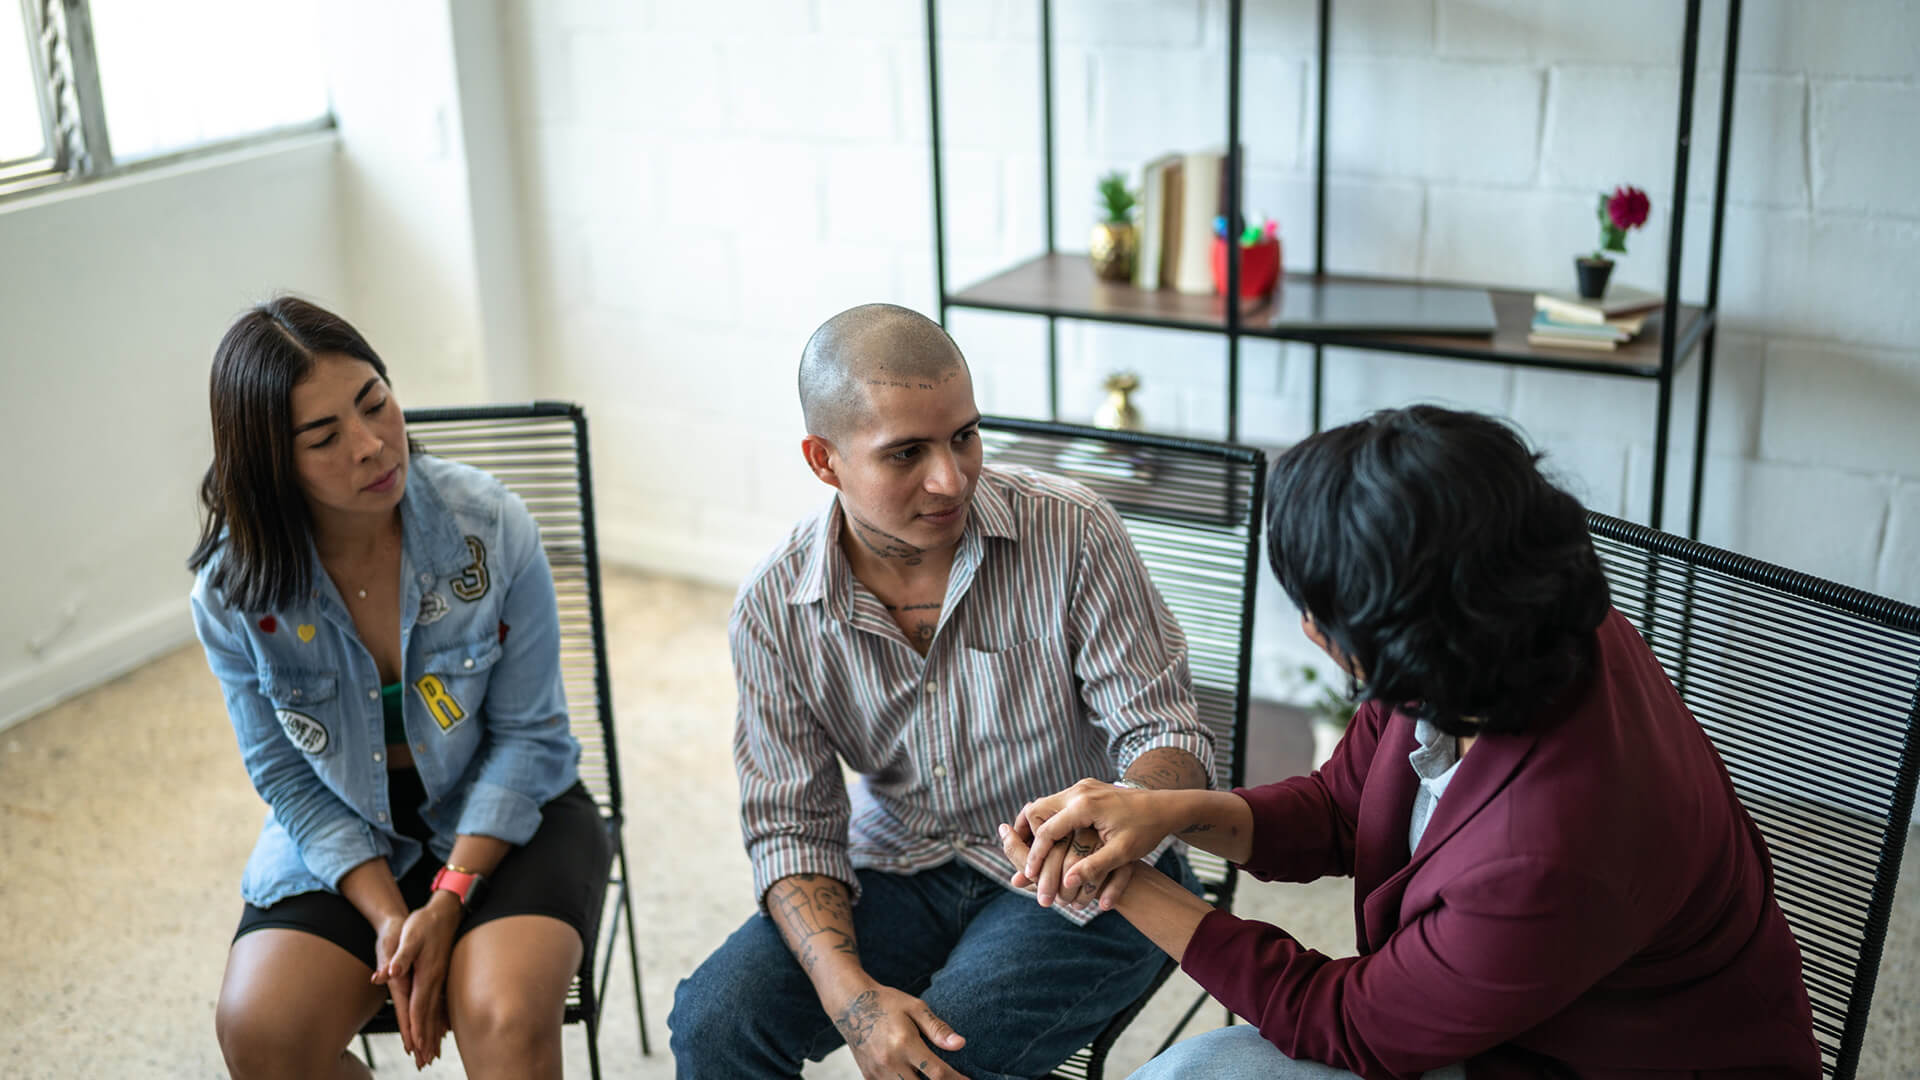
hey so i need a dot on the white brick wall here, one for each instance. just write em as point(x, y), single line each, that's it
point(703, 187)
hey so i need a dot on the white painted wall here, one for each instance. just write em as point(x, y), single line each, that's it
point(112, 296)
point(703, 184)
point(428, 205)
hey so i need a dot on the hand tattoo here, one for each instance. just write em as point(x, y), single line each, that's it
point(1080, 849)
point(857, 1021)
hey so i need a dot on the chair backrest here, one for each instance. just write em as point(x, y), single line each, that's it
point(1810, 691)
point(1193, 511)
point(539, 451)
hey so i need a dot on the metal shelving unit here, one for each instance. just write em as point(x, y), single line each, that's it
point(1057, 285)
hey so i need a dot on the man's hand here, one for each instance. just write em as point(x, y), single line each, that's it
point(1127, 823)
point(888, 1032)
point(1109, 890)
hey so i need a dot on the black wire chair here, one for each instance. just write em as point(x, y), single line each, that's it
point(1193, 510)
point(1810, 692)
point(539, 451)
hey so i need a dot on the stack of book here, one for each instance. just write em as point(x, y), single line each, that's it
point(1180, 195)
point(1567, 321)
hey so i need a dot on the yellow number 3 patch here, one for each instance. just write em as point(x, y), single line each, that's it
point(445, 709)
point(472, 583)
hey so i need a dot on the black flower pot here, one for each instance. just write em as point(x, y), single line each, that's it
point(1593, 276)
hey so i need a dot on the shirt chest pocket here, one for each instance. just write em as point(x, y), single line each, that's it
point(453, 681)
point(1021, 691)
point(304, 702)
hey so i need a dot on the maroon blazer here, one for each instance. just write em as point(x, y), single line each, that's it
point(1589, 900)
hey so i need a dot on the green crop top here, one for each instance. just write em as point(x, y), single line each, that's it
point(393, 707)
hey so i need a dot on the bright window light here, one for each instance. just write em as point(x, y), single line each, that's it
point(186, 72)
point(21, 137)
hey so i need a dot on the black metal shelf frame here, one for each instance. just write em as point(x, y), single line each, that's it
point(1675, 346)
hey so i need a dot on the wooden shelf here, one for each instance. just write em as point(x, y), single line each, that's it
point(1064, 285)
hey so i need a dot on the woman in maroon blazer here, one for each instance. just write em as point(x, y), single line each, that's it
point(1553, 877)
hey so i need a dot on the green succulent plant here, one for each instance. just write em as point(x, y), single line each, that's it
point(1115, 200)
point(1324, 703)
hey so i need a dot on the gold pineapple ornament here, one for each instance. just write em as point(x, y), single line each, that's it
point(1118, 412)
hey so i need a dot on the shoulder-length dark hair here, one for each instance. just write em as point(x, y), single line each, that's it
point(251, 497)
point(1430, 549)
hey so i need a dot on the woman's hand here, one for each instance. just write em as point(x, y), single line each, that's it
point(1110, 890)
point(426, 943)
point(1129, 824)
point(386, 942)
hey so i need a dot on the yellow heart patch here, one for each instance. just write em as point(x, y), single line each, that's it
point(305, 631)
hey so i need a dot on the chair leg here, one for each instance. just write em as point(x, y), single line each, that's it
point(593, 1044)
point(633, 947)
point(366, 1051)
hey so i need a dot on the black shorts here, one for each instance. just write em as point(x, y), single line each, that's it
point(561, 872)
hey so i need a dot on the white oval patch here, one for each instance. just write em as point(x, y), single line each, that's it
point(433, 608)
point(303, 731)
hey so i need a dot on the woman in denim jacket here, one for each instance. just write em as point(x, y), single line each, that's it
point(383, 626)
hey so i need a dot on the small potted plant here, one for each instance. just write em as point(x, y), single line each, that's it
point(1114, 241)
point(1620, 210)
point(1328, 708)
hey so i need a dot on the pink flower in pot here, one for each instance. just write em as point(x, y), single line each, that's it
point(1625, 209)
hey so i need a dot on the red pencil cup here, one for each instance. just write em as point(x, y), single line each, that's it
point(1259, 267)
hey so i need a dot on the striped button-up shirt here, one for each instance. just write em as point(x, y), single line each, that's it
point(1054, 659)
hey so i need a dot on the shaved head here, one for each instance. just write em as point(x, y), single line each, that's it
point(865, 347)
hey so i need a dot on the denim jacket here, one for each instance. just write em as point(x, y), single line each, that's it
point(486, 713)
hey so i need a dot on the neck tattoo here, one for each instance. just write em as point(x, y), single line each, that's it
point(885, 545)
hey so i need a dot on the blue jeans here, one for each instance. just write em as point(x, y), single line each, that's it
point(1026, 987)
point(1240, 1053)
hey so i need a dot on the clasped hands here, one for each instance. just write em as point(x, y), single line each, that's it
point(411, 957)
point(1083, 842)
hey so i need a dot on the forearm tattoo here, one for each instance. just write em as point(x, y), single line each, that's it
point(1168, 767)
point(857, 1021)
point(814, 917)
point(884, 544)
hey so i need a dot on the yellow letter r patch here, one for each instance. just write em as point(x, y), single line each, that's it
point(446, 711)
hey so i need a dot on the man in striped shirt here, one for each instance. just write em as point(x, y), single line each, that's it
point(965, 639)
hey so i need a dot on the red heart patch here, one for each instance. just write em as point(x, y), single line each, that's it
point(269, 624)
point(503, 633)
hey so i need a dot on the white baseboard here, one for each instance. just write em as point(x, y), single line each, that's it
point(104, 657)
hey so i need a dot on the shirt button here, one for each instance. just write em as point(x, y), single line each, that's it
point(467, 663)
point(295, 695)
point(381, 817)
point(376, 755)
point(420, 746)
point(425, 578)
point(940, 771)
point(933, 686)
point(373, 695)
